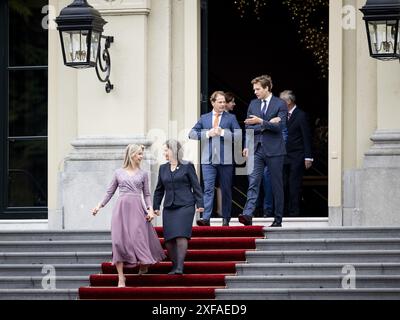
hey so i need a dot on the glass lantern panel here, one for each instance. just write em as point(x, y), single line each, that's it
point(76, 46)
point(94, 46)
point(382, 36)
point(398, 39)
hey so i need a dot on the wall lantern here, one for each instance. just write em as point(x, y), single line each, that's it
point(81, 28)
point(382, 19)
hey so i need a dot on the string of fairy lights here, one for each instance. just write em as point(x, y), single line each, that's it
point(243, 6)
point(313, 32)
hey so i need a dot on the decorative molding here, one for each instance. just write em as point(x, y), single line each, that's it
point(105, 148)
point(386, 143)
point(122, 7)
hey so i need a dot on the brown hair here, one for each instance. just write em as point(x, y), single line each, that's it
point(229, 96)
point(176, 148)
point(264, 80)
point(214, 96)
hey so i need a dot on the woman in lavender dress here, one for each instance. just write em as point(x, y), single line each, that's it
point(134, 240)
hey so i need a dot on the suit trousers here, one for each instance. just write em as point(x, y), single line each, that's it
point(293, 177)
point(275, 166)
point(268, 203)
point(225, 176)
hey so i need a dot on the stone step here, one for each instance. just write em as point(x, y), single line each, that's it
point(39, 294)
point(7, 270)
point(312, 281)
point(54, 257)
point(308, 294)
point(60, 282)
point(59, 235)
point(343, 256)
point(288, 269)
point(331, 232)
point(328, 244)
point(262, 244)
point(106, 245)
point(56, 246)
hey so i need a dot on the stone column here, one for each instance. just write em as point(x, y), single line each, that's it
point(97, 124)
point(88, 171)
point(380, 180)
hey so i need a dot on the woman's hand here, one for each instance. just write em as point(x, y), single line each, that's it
point(157, 212)
point(200, 210)
point(96, 210)
point(150, 216)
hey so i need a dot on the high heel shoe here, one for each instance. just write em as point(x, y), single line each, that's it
point(121, 282)
point(143, 270)
point(172, 271)
point(179, 270)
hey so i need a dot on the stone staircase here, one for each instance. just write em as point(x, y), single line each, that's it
point(29, 260)
point(319, 263)
point(291, 263)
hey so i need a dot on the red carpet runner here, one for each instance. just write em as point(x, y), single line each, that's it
point(213, 253)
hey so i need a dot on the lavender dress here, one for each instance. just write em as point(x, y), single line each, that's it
point(134, 239)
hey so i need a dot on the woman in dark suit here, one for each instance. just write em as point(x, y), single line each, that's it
point(178, 182)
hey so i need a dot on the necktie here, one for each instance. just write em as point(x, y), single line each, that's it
point(215, 124)
point(289, 115)
point(264, 107)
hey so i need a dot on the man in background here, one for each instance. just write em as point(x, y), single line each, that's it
point(299, 154)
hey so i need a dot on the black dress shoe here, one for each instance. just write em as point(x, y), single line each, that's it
point(225, 223)
point(245, 219)
point(203, 223)
point(276, 224)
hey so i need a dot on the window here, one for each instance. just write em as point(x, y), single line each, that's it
point(23, 114)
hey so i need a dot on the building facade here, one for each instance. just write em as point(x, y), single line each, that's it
point(157, 73)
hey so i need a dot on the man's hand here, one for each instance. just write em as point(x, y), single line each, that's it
point(200, 210)
point(218, 131)
point(253, 120)
point(214, 132)
point(307, 164)
point(245, 153)
point(275, 120)
point(211, 133)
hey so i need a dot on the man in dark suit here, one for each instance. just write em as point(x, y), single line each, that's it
point(266, 116)
point(217, 131)
point(299, 154)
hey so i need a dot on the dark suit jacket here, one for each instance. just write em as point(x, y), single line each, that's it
point(268, 134)
point(232, 131)
point(298, 145)
point(180, 189)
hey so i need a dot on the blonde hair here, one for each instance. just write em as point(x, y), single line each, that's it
point(215, 95)
point(130, 151)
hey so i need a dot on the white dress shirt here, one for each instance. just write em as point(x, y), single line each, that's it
point(219, 121)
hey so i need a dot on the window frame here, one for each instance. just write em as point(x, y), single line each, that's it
point(13, 213)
